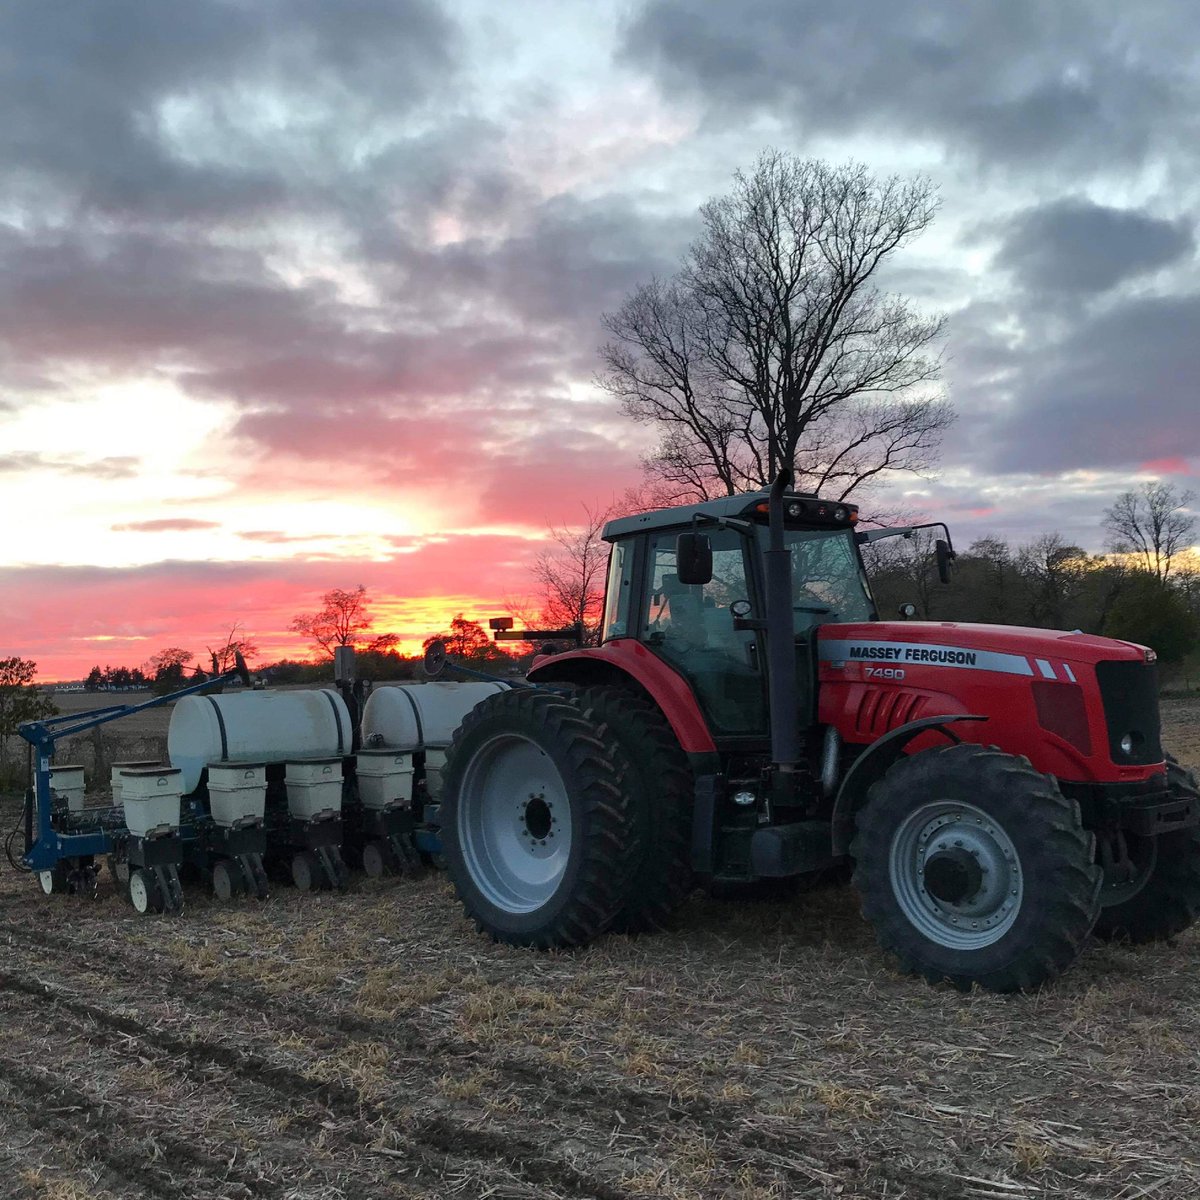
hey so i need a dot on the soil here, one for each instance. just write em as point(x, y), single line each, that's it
point(372, 1045)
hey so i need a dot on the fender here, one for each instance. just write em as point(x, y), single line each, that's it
point(624, 659)
point(873, 764)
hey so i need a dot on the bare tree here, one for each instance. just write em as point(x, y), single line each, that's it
point(1053, 572)
point(774, 347)
point(570, 572)
point(1151, 523)
point(909, 566)
point(343, 620)
point(225, 656)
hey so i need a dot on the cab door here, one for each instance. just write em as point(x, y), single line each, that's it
point(691, 627)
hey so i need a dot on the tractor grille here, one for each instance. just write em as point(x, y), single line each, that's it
point(1129, 691)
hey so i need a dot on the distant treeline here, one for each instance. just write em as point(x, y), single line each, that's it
point(1047, 583)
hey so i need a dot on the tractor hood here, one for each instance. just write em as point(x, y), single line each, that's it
point(1079, 707)
point(1009, 649)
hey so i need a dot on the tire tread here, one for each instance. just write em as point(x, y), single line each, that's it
point(1050, 824)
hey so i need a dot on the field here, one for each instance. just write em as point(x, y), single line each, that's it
point(372, 1045)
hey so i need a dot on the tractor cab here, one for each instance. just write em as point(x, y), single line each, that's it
point(690, 585)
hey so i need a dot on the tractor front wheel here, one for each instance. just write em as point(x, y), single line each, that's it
point(535, 823)
point(1169, 899)
point(974, 868)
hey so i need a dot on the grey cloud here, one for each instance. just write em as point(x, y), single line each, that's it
point(1119, 389)
point(166, 525)
point(1046, 85)
point(159, 224)
point(83, 88)
point(1075, 246)
point(137, 299)
point(276, 537)
point(119, 466)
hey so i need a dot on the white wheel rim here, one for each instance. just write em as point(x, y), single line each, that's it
point(139, 894)
point(46, 879)
point(952, 827)
point(514, 823)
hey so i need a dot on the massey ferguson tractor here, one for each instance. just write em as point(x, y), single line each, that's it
point(1001, 792)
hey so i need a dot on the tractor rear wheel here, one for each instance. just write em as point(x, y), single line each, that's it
point(1169, 899)
point(535, 824)
point(661, 798)
point(974, 868)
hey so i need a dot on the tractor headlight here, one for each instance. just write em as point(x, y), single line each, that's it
point(795, 509)
point(744, 799)
point(1127, 744)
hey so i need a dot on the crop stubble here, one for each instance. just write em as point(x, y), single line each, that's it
point(371, 1045)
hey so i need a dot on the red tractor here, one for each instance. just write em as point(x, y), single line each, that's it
point(1002, 792)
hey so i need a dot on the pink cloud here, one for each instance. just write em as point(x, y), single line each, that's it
point(556, 454)
point(1174, 464)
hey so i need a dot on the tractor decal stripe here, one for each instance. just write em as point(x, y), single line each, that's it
point(1046, 669)
point(841, 651)
point(221, 727)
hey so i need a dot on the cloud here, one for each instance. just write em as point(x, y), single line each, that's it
point(1074, 246)
point(1069, 85)
point(1117, 389)
point(188, 111)
point(361, 275)
point(166, 525)
point(276, 537)
point(113, 467)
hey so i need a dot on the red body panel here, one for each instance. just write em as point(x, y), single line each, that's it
point(912, 669)
point(670, 691)
point(875, 676)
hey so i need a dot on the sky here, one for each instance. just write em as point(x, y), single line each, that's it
point(298, 295)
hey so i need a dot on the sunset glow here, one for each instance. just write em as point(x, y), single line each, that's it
point(298, 299)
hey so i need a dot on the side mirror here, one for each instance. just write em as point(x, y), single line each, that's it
point(693, 558)
point(907, 611)
point(945, 556)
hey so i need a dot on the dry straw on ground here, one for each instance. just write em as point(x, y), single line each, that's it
point(372, 1045)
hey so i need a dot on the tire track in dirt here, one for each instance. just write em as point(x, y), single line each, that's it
point(93, 1130)
point(439, 1143)
point(721, 1122)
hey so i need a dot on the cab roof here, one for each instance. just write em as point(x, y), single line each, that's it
point(745, 505)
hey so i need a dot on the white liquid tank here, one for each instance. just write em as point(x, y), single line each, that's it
point(411, 716)
point(256, 727)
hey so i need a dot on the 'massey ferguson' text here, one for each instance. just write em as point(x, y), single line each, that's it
point(914, 654)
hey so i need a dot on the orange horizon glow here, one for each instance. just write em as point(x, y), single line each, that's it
point(412, 619)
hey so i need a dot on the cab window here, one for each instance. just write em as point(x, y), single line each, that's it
point(691, 626)
point(618, 593)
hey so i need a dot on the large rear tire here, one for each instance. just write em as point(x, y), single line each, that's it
point(535, 824)
point(1169, 901)
point(661, 800)
point(974, 868)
